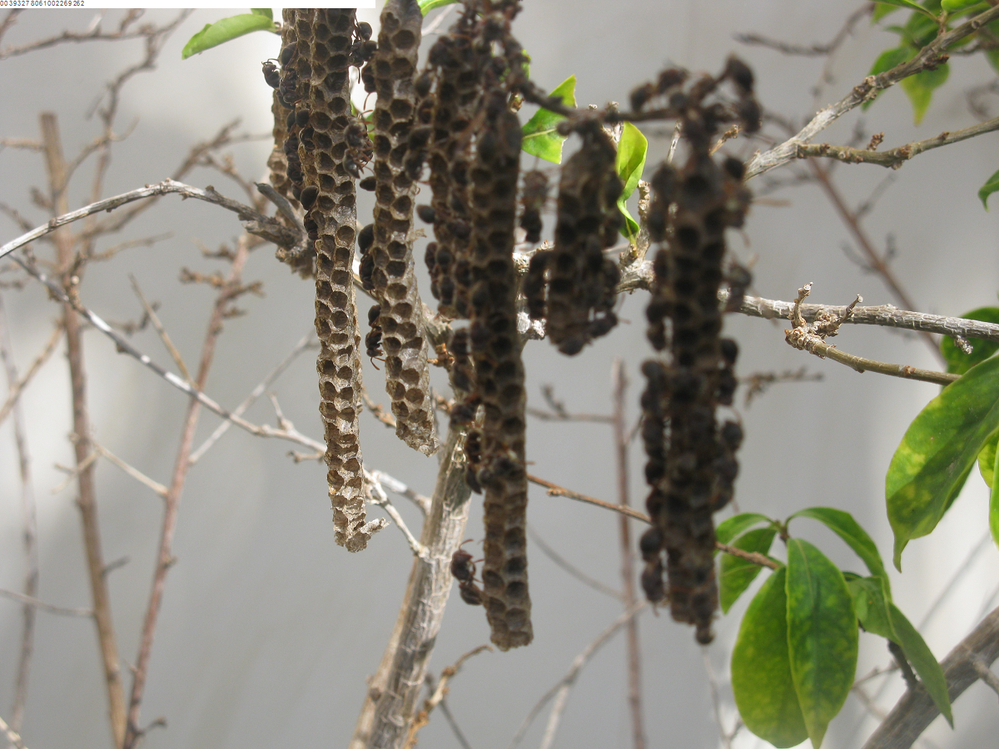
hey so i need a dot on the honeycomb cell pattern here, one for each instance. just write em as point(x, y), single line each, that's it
point(581, 281)
point(392, 268)
point(691, 463)
point(319, 69)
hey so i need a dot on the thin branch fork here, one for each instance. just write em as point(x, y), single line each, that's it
point(254, 221)
point(928, 57)
point(811, 338)
point(893, 158)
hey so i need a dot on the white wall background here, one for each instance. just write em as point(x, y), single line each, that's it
point(268, 629)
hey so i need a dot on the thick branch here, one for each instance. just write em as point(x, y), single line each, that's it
point(914, 712)
point(391, 703)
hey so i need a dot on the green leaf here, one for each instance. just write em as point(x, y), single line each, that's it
point(737, 524)
point(994, 501)
point(737, 573)
point(761, 668)
point(870, 601)
point(887, 60)
point(919, 88)
point(540, 136)
point(428, 5)
point(987, 459)
point(225, 30)
point(954, 5)
point(631, 152)
point(881, 10)
point(959, 362)
point(821, 635)
point(923, 661)
point(881, 617)
point(938, 451)
point(265, 12)
point(843, 525)
point(906, 4)
point(992, 183)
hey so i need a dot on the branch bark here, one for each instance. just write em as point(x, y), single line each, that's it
point(914, 712)
point(391, 703)
point(87, 499)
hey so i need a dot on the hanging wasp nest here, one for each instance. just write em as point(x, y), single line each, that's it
point(444, 143)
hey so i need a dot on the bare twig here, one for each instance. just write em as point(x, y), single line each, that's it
point(87, 498)
point(378, 496)
point(436, 698)
point(33, 603)
point(750, 556)
point(140, 672)
point(560, 692)
point(16, 385)
point(619, 385)
point(28, 510)
point(915, 710)
point(877, 262)
point(554, 490)
point(807, 337)
point(253, 221)
point(12, 736)
point(158, 326)
point(930, 56)
point(131, 470)
point(304, 342)
point(893, 158)
point(569, 567)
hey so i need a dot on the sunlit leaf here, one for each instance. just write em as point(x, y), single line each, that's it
point(870, 601)
point(428, 5)
point(821, 636)
point(987, 460)
point(761, 668)
point(737, 573)
point(265, 12)
point(843, 525)
point(225, 30)
point(954, 5)
point(632, 149)
point(540, 136)
point(938, 451)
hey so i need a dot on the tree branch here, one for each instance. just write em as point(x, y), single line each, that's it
point(928, 57)
point(914, 712)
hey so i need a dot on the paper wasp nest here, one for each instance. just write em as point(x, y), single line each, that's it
point(400, 318)
point(581, 288)
point(315, 80)
point(691, 463)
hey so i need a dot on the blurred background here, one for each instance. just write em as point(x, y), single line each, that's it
point(268, 630)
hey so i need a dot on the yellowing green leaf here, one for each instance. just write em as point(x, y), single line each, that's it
point(821, 636)
point(843, 525)
point(737, 573)
point(540, 136)
point(938, 451)
point(761, 668)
